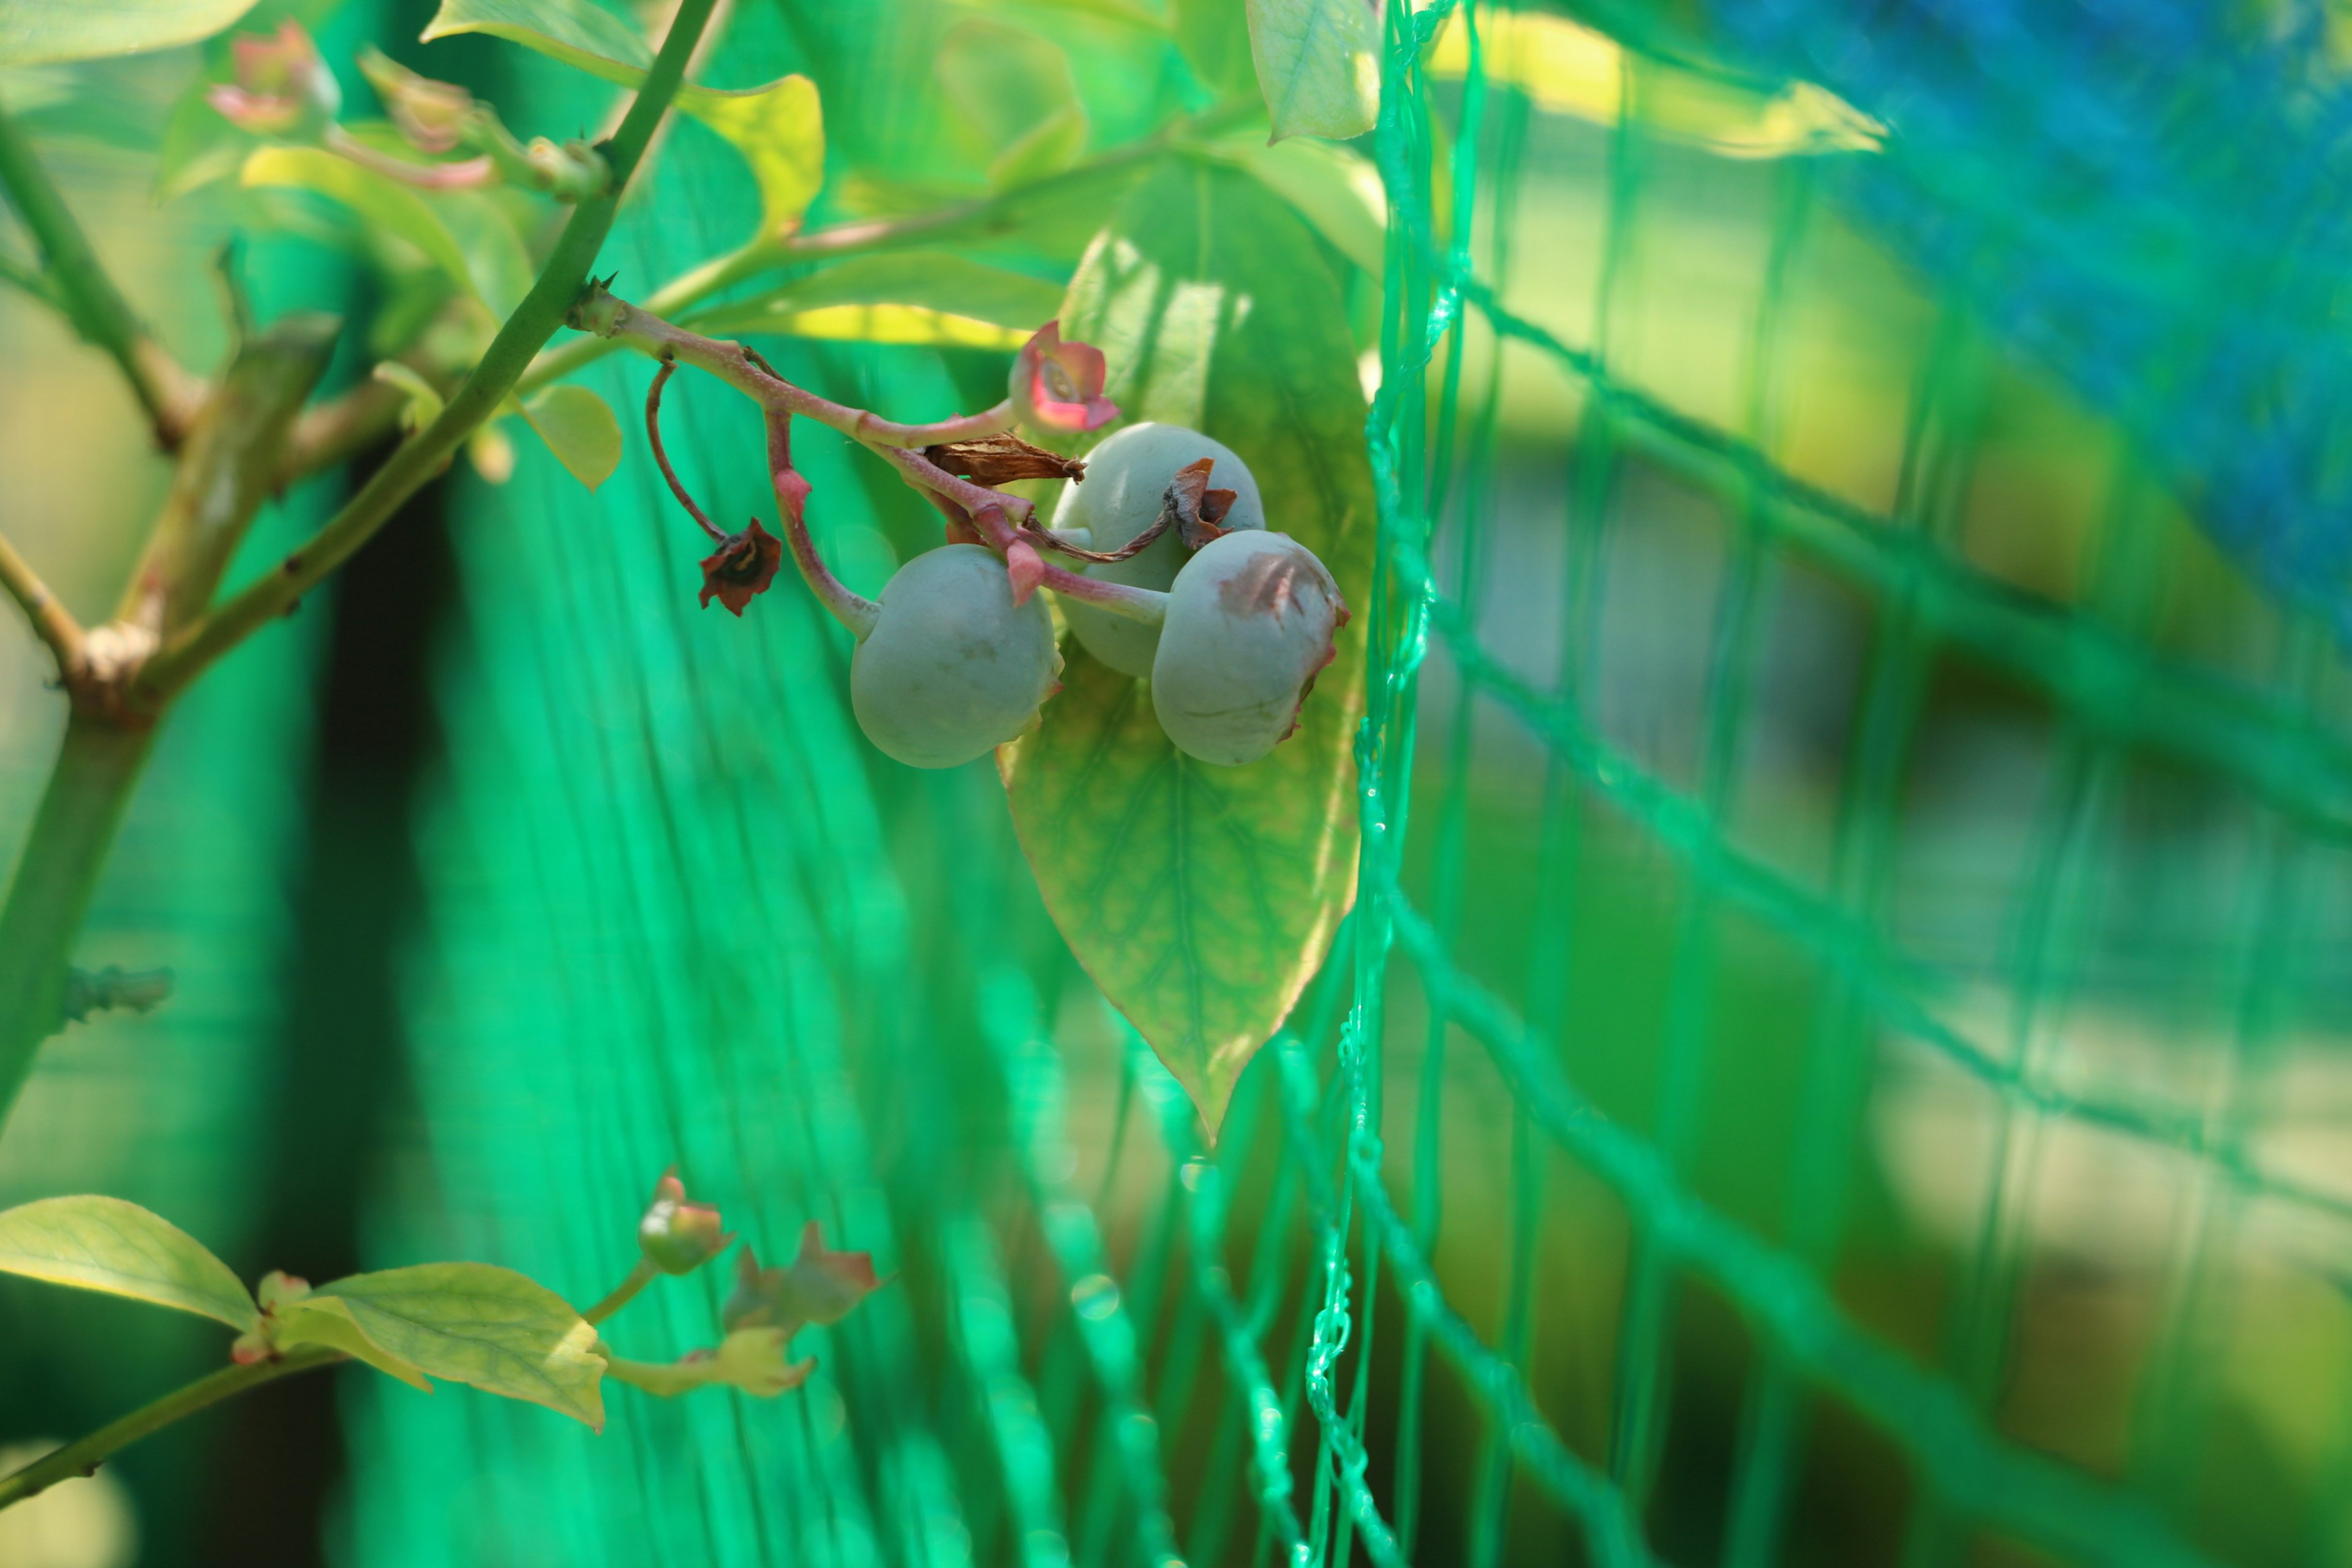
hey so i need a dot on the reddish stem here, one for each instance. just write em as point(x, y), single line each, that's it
point(654, 439)
point(473, 173)
point(852, 609)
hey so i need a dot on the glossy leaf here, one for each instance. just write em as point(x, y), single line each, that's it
point(580, 428)
point(38, 32)
point(111, 1246)
point(1317, 64)
point(1565, 67)
point(386, 205)
point(476, 1323)
point(919, 297)
point(1201, 899)
point(779, 127)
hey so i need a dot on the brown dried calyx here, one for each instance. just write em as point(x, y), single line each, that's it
point(994, 460)
point(1197, 508)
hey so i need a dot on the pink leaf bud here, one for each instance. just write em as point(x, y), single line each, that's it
point(282, 88)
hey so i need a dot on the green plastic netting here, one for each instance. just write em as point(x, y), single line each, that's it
point(1830, 1063)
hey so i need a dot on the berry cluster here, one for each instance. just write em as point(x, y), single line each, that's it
point(1179, 581)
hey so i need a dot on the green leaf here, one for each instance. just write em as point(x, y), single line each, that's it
point(384, 203)
point(916, 297)
point(106, 1244)
point(752, 1359)
point(580, 428)
point(580, 34)
point(34, 32)
point(1014, 92)
point(1213, 35)
point(780, 131)
point(474, 1323)
point(1317, 64)
point(1201, 899)
point(1334, 188)
point(779, 127)
point(328, 1320)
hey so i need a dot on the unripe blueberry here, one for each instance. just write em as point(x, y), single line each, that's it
point(1250, 622)
point(1127, 477)
point(952, 666)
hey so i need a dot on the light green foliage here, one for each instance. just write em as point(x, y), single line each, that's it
point(108, 1245)
point(1201, 899)
point(755, 1361)
point(1319, 65)
point(1215, 38)
point(39, 32)
point(580, 428)
point(1249, 621)
point(1334, 188)
point(328, 1320)
point(1014, 92)
point(952, 666)
point(924, 296)
point(392, 208)
point(1125, 484)
point(779, 127)
point(475, 1323)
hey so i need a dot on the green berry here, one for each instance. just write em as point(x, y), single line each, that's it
point(953, 668)
point(1250, 623)
point(1127, 477)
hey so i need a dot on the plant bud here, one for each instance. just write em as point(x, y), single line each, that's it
point(678, 1237)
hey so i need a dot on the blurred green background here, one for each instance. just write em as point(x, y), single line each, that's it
point(500, 877)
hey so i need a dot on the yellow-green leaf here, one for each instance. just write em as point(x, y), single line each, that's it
point(38, 32)
point(328, 1320)
point(780, 131)
point(779, 127)
point(1565, 67)
point(1201, 899)
point(384, 204)
point(1014, 93)
point(1317, 64)
point(753, 1360)
point(109, 1244)
point(580, 428)
point(933, 298)
point(480, 1324)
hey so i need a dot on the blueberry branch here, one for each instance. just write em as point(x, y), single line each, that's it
point(51, 621)
point(661, 457)
point(851, 609)
point(485, 391)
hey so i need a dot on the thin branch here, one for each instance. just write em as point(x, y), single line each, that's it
point(653, 439)
point(89, 297)
point(485, 391)
point(23, 275)
point(852, 609)
point(82, 1458)
point(52, 622)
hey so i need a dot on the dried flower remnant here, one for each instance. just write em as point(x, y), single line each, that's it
point(1059, 386)
point(677, 1235)
point(282, 86)
point(742, 567)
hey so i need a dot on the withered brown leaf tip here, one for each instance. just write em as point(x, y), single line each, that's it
point(994, 460)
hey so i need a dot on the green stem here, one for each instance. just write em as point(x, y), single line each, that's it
point(543, 311)
point(81, 285)
point(82, 1458)
point(623, 1293)
point(96, 771)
